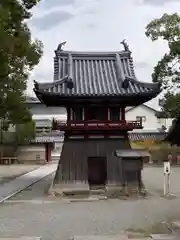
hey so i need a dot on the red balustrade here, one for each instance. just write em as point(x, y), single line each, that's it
point(97, 125)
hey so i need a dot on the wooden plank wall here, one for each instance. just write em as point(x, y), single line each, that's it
point(73, 161)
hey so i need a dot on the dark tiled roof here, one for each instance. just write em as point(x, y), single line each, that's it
point(96, 74)
point(126, 153)
point(156, 136)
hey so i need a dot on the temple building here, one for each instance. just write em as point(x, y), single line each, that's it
point(96, 88)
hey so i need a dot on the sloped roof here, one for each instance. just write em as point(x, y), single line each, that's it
point(144, 105)
point(95, 74)
point(144, 136)
point(58, 137)
point(129, 153)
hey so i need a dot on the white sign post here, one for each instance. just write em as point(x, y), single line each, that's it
point(167, 172)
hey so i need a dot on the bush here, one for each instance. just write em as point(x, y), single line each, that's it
point(25, 132)
point(161, 154)
point(159, 150)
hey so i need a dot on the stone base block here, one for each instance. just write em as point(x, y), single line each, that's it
point(70, 189)
point(176, 226)
point(21, 238)
point(101, 237)
point(114, 191)
point(163, 237)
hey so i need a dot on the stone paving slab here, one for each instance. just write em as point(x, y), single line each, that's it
point(22, 238)
point(108, 237)
point(10, 172)
point(11, 188)
point(101, 237)
point(176, 224)
point(163, 237)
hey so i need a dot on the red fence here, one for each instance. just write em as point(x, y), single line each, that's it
point(97, 125)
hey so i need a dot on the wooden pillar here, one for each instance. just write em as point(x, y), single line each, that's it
point(123, 117)
point(48, 152)
point(86, 112)
point(68, 114)
point(105, 113)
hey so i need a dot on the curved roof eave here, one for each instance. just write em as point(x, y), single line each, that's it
point(40, 92)
point(145, 84)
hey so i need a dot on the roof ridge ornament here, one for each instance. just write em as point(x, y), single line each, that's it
point(125, 83)
point(69, 83)
point(36, 85)
point(125, 45)
point(59, 48)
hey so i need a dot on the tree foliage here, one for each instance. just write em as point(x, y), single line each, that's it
point(25, 132)
point(167, 70)
point(18, 56)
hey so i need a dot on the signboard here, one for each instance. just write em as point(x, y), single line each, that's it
point(167, 168)
point(167, 172)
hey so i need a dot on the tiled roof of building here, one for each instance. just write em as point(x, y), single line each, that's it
point(95, 74)
point(53, 137)
point(153, 136)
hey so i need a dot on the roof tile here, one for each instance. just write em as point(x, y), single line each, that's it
point(96, 74)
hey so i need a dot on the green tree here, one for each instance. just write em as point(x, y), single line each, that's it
point(167, 70)
point(18, 56)
point(25, 132)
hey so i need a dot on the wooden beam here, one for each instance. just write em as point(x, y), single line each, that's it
point(123, 117)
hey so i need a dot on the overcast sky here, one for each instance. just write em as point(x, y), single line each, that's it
point(98, 25)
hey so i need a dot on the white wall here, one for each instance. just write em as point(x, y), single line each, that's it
point(167, 122)
point(32, 154)
point(45, 114)
point(40, 109)
point(152, 123)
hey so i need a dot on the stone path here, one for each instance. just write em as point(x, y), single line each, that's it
point(11, 188)
point(22, 238)
point(125, 237)
point(10, 172)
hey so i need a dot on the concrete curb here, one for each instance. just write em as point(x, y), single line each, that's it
point(33, 181)
point(21, 238)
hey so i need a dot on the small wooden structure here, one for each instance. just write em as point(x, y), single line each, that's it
point(95, 88)
point(131, 162)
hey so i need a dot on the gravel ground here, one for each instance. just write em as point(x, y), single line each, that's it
point(154, 178)
point(55, 219)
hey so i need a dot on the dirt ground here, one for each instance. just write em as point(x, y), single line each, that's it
point(9, 172)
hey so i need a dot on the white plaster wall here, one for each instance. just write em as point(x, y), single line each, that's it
point(167, 122)
point(40, 112)
point(40, 109)
point(152, 123)
point(46, 114)
point(31, 154)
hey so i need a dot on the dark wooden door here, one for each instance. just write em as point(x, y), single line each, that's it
point(97, 170)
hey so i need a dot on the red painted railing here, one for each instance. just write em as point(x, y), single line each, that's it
point(97, 125)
